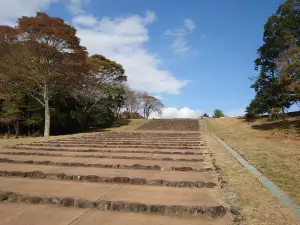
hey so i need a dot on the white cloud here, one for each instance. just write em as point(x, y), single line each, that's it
point(77, 6)
point(85, 20)
point(13, 9)
point(169, 112)
point(189, 24)
point(180, 43)
point(122, 39)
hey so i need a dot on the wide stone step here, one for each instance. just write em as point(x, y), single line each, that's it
point(115, 197)
point(139, 138)
point(122, 143)
point(163, 164)
point(83, 149)
point(115, 146)
point(106, 176)
point(115, 155)
point(24, 214)
point(144, 134)
point(132, 138)
point(125, 143)
point(156, 139)
point(149, 175)
point(173, 125)
point(108, 163)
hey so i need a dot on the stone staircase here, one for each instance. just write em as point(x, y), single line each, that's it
point(141, 177)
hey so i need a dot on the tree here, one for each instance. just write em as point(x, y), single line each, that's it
point(277, 86)
point(133, 101)
point(11, 112)
point(41, 55)
point(104, 80)
point(289, 71)
point(218, 113)
point(151, 104)
point(205, 115)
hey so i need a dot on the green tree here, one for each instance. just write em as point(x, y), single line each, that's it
point(12, 113)
point(205, 115)
point(277, 86)
point(218, 113)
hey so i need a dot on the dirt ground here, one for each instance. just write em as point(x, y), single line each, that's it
point(273, 150)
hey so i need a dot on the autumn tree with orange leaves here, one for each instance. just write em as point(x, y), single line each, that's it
point(41, 55)
point(47, 79)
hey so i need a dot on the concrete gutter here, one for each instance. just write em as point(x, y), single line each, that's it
point(284, 199)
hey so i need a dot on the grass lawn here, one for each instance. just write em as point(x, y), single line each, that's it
point(273, 148)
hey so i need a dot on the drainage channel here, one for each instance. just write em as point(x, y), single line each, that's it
point(284, 199)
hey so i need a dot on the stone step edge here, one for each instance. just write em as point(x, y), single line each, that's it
point(108, 151)
point(101, 156)
point(139, 133)
point(118, 143)
point(120, 206)
point(130, 138)
point(126, 141)
point(116, 146)
point(116, 166)
point(122, 143)
point(98, 179)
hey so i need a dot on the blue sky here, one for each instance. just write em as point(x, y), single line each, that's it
point(195, 55)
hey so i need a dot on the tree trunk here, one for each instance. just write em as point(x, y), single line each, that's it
point(8, 130)
point(17, 129)
point(47, 113)
point(283, 113)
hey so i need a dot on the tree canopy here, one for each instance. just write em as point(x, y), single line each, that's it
point(218, 113)
point(278, 61)
point(48, 80)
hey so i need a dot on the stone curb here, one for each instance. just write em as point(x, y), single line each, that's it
point(230, 197)
point(98, 179)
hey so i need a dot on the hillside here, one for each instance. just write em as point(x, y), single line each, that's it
point(272, 147)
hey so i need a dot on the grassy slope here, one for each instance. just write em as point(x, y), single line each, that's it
point(258, 205)
point(273, 148)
